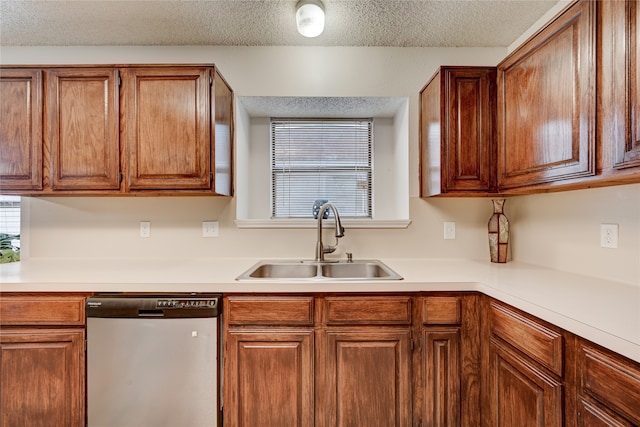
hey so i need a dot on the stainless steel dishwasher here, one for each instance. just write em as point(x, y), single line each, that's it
point(152, 360)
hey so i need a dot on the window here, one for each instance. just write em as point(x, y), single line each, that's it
point(9, 229)
point(321, 159)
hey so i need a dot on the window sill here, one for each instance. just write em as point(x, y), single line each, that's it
point(312, 223)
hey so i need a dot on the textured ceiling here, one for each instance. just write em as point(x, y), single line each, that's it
point(308, 107)
point(399, 23)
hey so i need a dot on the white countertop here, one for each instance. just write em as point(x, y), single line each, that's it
point(605, 312)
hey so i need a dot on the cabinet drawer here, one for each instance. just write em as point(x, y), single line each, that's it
point(536, 340)
point(252, 310)
point(611, 381)
point(441, 310)
point(388, 310)
point(42, 310)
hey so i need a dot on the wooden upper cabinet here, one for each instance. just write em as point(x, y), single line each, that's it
point(546, 103)
point(457, 132)
point(20, 129)
point(82, 108)
point(619, 86)
point(167, 127)
point(222, 145)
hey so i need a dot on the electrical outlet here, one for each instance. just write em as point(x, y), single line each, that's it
point(609, 235)
point(449, 230)
point(145, 228)
point(210, 229)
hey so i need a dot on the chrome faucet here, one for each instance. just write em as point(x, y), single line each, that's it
point(321, 249)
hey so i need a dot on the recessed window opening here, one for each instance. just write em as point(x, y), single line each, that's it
point(321, 159)
point(9, 229)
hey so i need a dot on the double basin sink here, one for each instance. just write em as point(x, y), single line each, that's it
point(320, 270)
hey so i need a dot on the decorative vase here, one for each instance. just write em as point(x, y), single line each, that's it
point(498, 233)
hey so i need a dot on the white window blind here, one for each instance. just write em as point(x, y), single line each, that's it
point(328, 159)
point(10, 215)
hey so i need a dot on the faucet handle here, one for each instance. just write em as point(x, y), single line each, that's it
point(349, 257)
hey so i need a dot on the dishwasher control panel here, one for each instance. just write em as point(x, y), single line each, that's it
point(187, 303)
point(130, 305)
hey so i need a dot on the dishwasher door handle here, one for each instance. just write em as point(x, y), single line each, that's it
point(150, 313)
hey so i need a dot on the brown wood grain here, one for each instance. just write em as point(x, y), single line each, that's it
point(82, 120)
point(457, 132)
point(536, 339)
point(269, 378)
point(367, 377)
point(546, 103)
point(371, 310)
point(619, 85)
point(21, 148)
point(269, 310)
point(592, 414)
point(441, 310)
point(42, 310)
point(167, 127)
point(222, 136)
point(441, 365)
point(611, 380)
point(522, 394)
point(42, 377)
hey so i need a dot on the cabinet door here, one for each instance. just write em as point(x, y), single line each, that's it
point(167, 127)
point(20, 129)
point(367, 378)
point(619, 84)
point(457, 134)
point(221, 154)
point(546, 103)
point(592, 414)
point(42, 377)
point(83, 126)
point(521, 393)
point(441, 376)
point(268, 378)
point(612, 381)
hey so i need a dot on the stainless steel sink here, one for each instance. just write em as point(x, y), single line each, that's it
point(320, 271)
point(356, 270)
point(284, 271)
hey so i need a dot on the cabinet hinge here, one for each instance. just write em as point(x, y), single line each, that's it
point(210, 81)
point(119, 79)
point(210, 178)
point(121, 177)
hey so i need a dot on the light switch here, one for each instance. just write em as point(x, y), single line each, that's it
point(145, 228)
point(210, 229)
point(449, 230)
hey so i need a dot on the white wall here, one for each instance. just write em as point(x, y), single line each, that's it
point(557, 230)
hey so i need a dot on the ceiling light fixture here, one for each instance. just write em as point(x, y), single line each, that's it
point(310, 17)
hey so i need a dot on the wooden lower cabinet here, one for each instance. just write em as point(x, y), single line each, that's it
point(269, 378)
point(351, 360)
point(522, 393)
point(448, 392)
point(608, 388)
point(441, 376)
point(40, 377)
point(42, 360)
point(523, 369)
point(366, 376)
